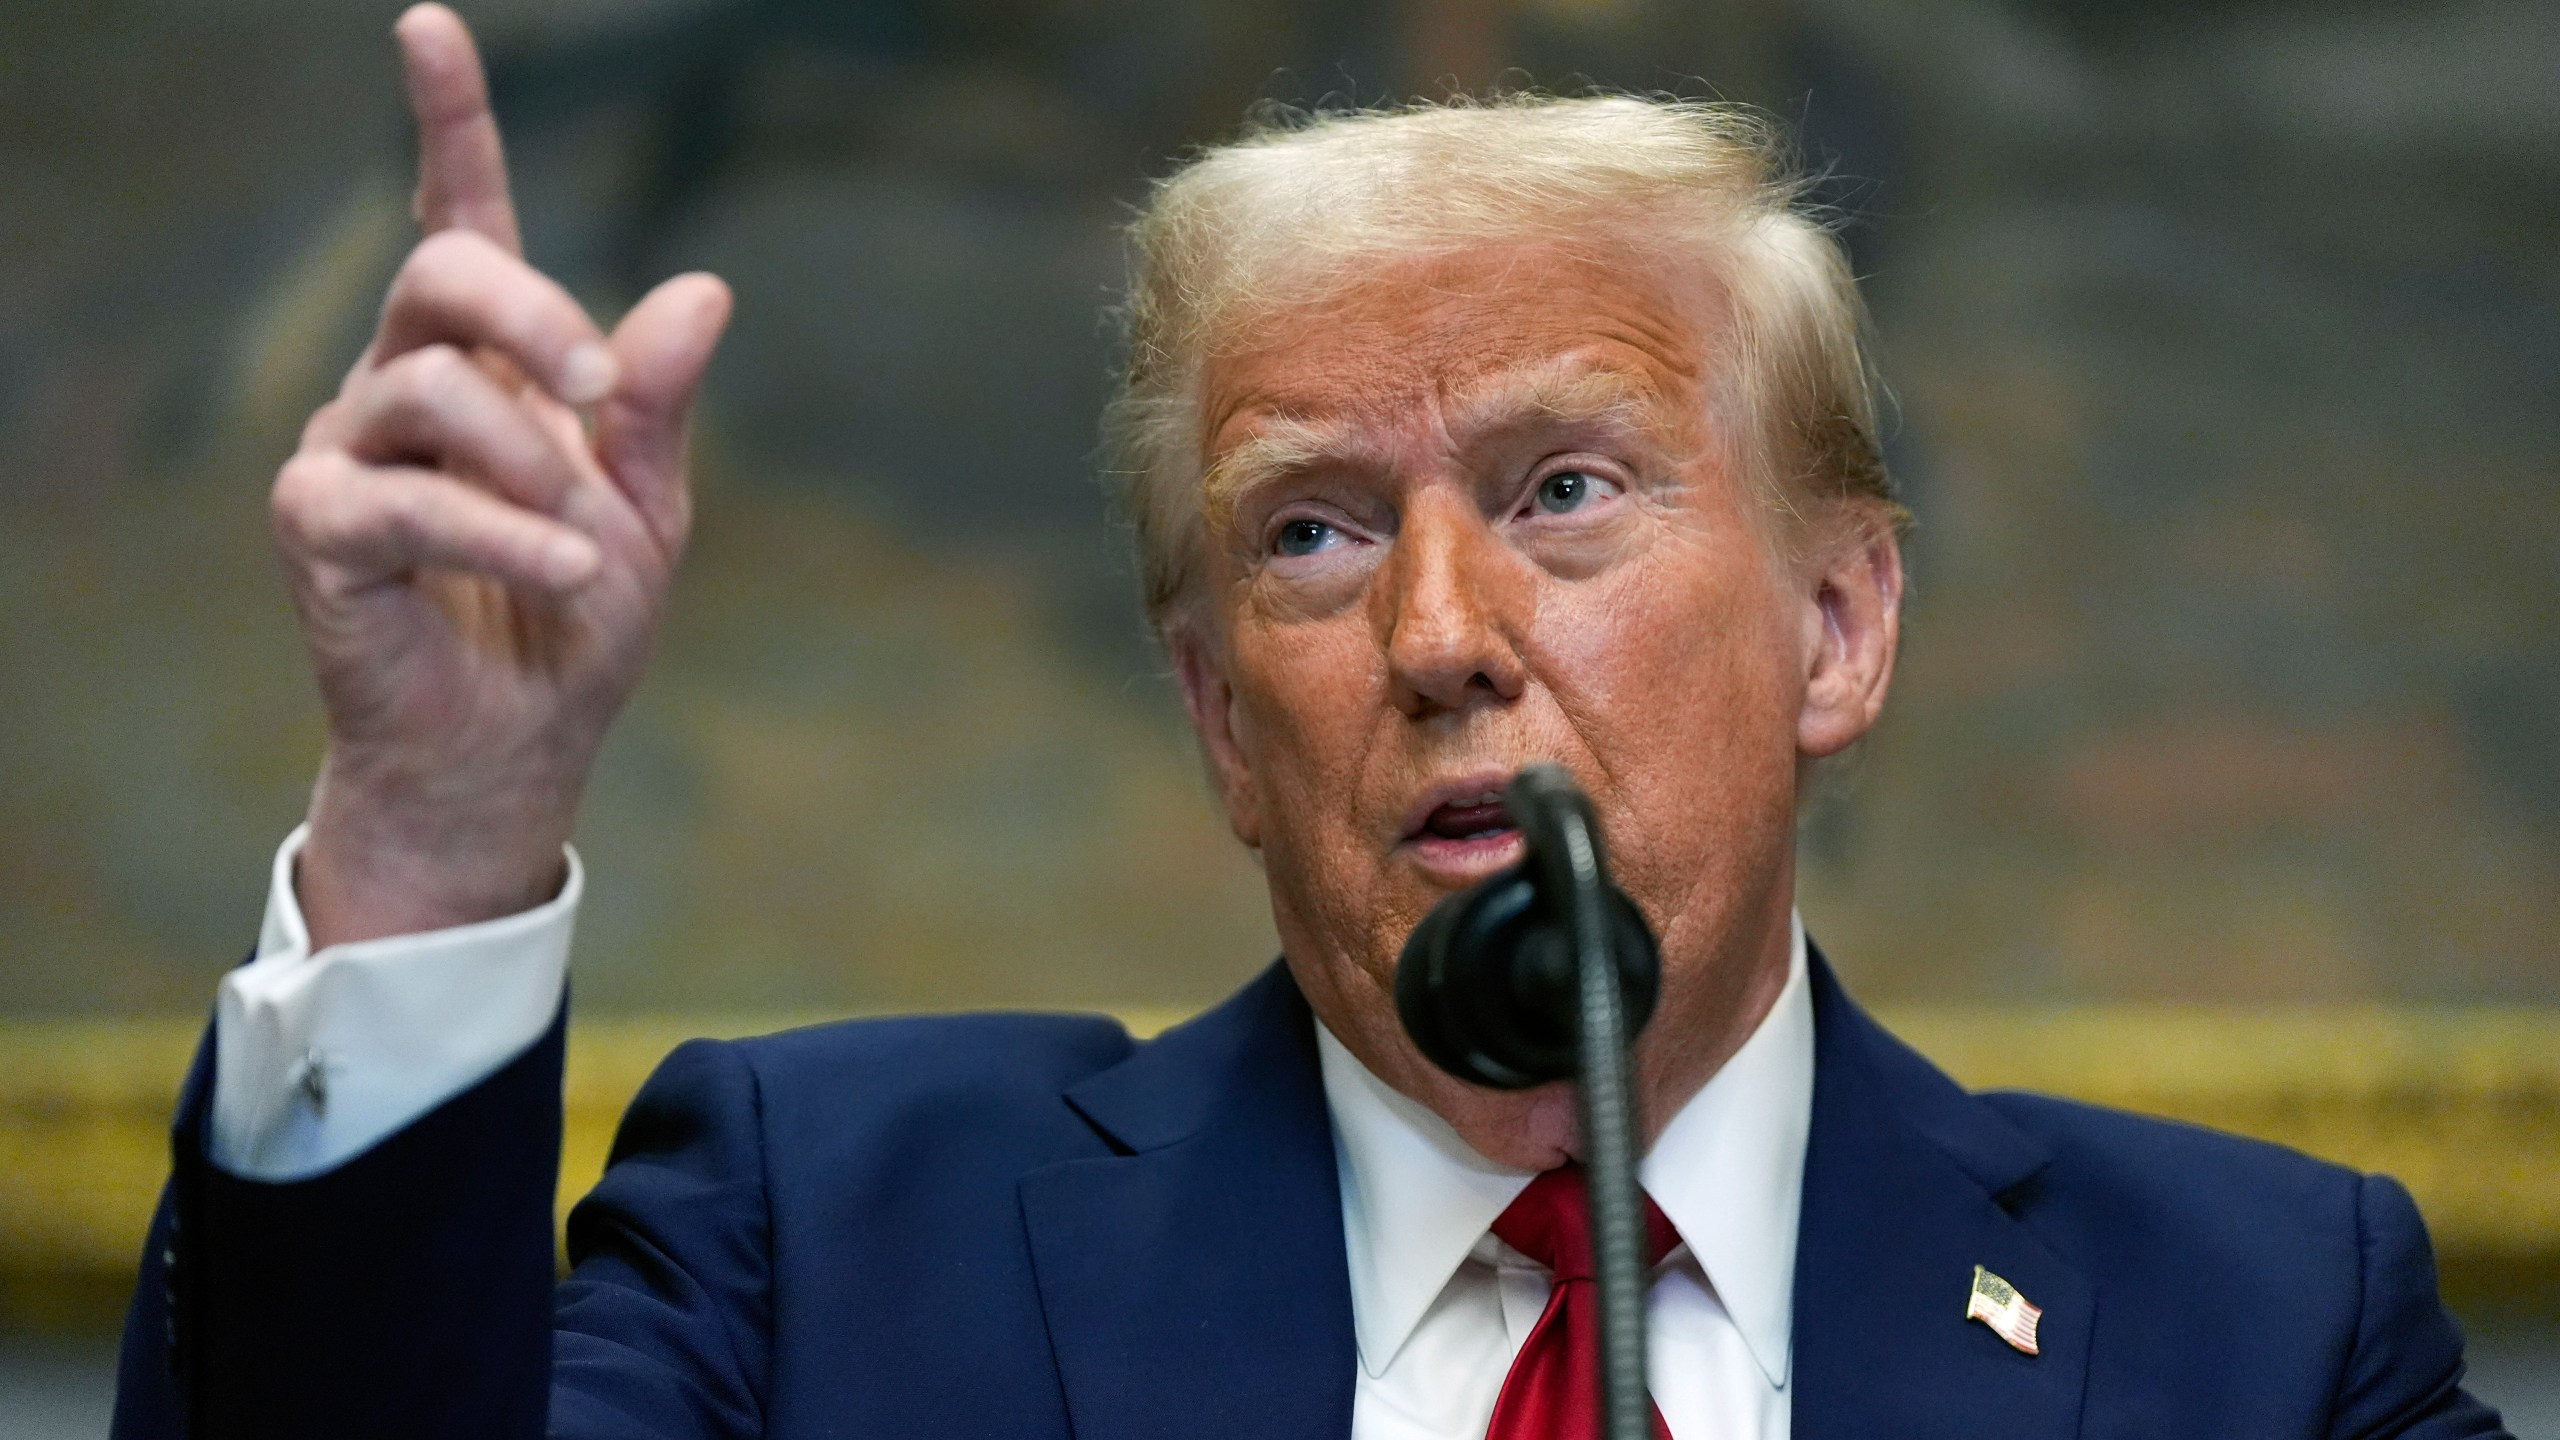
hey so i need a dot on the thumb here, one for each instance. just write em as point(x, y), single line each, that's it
point(663, 347)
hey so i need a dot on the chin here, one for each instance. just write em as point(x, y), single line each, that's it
point(1527, 1130)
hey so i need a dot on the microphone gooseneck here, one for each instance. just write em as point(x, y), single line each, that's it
point(1544, 972)
point(1490, 984)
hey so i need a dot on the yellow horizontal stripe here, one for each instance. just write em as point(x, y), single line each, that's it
point(2462, 1104)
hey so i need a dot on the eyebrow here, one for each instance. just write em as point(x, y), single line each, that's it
point(1280, 446)
point(1560, 391)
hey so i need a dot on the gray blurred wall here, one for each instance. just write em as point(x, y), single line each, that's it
point(2222, 337)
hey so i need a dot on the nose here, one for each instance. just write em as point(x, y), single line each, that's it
point(1447, 611)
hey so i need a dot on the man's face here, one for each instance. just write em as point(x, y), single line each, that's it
point(1474, 513)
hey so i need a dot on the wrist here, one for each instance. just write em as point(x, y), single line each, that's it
point(385, 857)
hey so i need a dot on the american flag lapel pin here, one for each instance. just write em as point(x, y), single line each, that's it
point(1996, 1303)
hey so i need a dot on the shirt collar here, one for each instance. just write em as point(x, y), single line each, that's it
point(1728, 1170)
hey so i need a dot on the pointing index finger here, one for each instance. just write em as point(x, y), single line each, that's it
point(462, 170)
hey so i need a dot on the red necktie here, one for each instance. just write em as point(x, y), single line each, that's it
point(1553, 1390)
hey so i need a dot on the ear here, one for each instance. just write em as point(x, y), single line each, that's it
point(1853, 627)
point(1210, 702)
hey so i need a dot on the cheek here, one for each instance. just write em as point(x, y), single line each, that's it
point(1695, 640)
point(1680, 676)
point(1306, 694)
point(1310, 698)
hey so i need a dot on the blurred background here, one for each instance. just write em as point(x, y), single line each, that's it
point(2225, 343)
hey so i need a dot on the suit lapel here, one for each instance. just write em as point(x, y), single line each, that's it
point(1195, 1284)
point(1905, 1175)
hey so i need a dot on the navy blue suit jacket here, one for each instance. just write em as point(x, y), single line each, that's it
point(1031, 1226)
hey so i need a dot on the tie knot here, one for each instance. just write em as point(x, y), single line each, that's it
point(1551, 1224)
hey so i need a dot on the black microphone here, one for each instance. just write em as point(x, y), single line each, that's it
point(1488, 987)
point(1544, 972)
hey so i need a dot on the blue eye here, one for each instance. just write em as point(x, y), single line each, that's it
point(1303, 537)
point(1565, 491)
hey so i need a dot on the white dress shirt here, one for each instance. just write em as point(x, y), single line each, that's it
point(322, 1056)
point(1440, 1306)
point(317, 1058)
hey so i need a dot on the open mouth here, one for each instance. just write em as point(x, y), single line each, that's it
point(1461, 830)
point(1474, 818)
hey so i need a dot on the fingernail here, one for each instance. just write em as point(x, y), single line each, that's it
point(570, 561)
point(588, 374)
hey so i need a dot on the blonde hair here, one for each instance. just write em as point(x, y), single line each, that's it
point(1300, 202)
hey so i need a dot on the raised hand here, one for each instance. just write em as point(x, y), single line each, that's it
point(479, 532)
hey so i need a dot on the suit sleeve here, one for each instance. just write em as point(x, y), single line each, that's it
point(405, 1293)
point(2404, 1377)
point(664, 1324)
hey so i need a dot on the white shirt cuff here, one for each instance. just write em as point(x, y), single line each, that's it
point(318, 1058)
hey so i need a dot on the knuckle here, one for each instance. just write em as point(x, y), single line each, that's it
point(289, 501)
point(425, 379)
point(309, 501)
point(436, 371)
point(421, 275)
point(324, 423)
point(401, 517)
point(445, 256)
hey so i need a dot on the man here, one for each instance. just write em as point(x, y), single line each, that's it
point(1456, 439)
